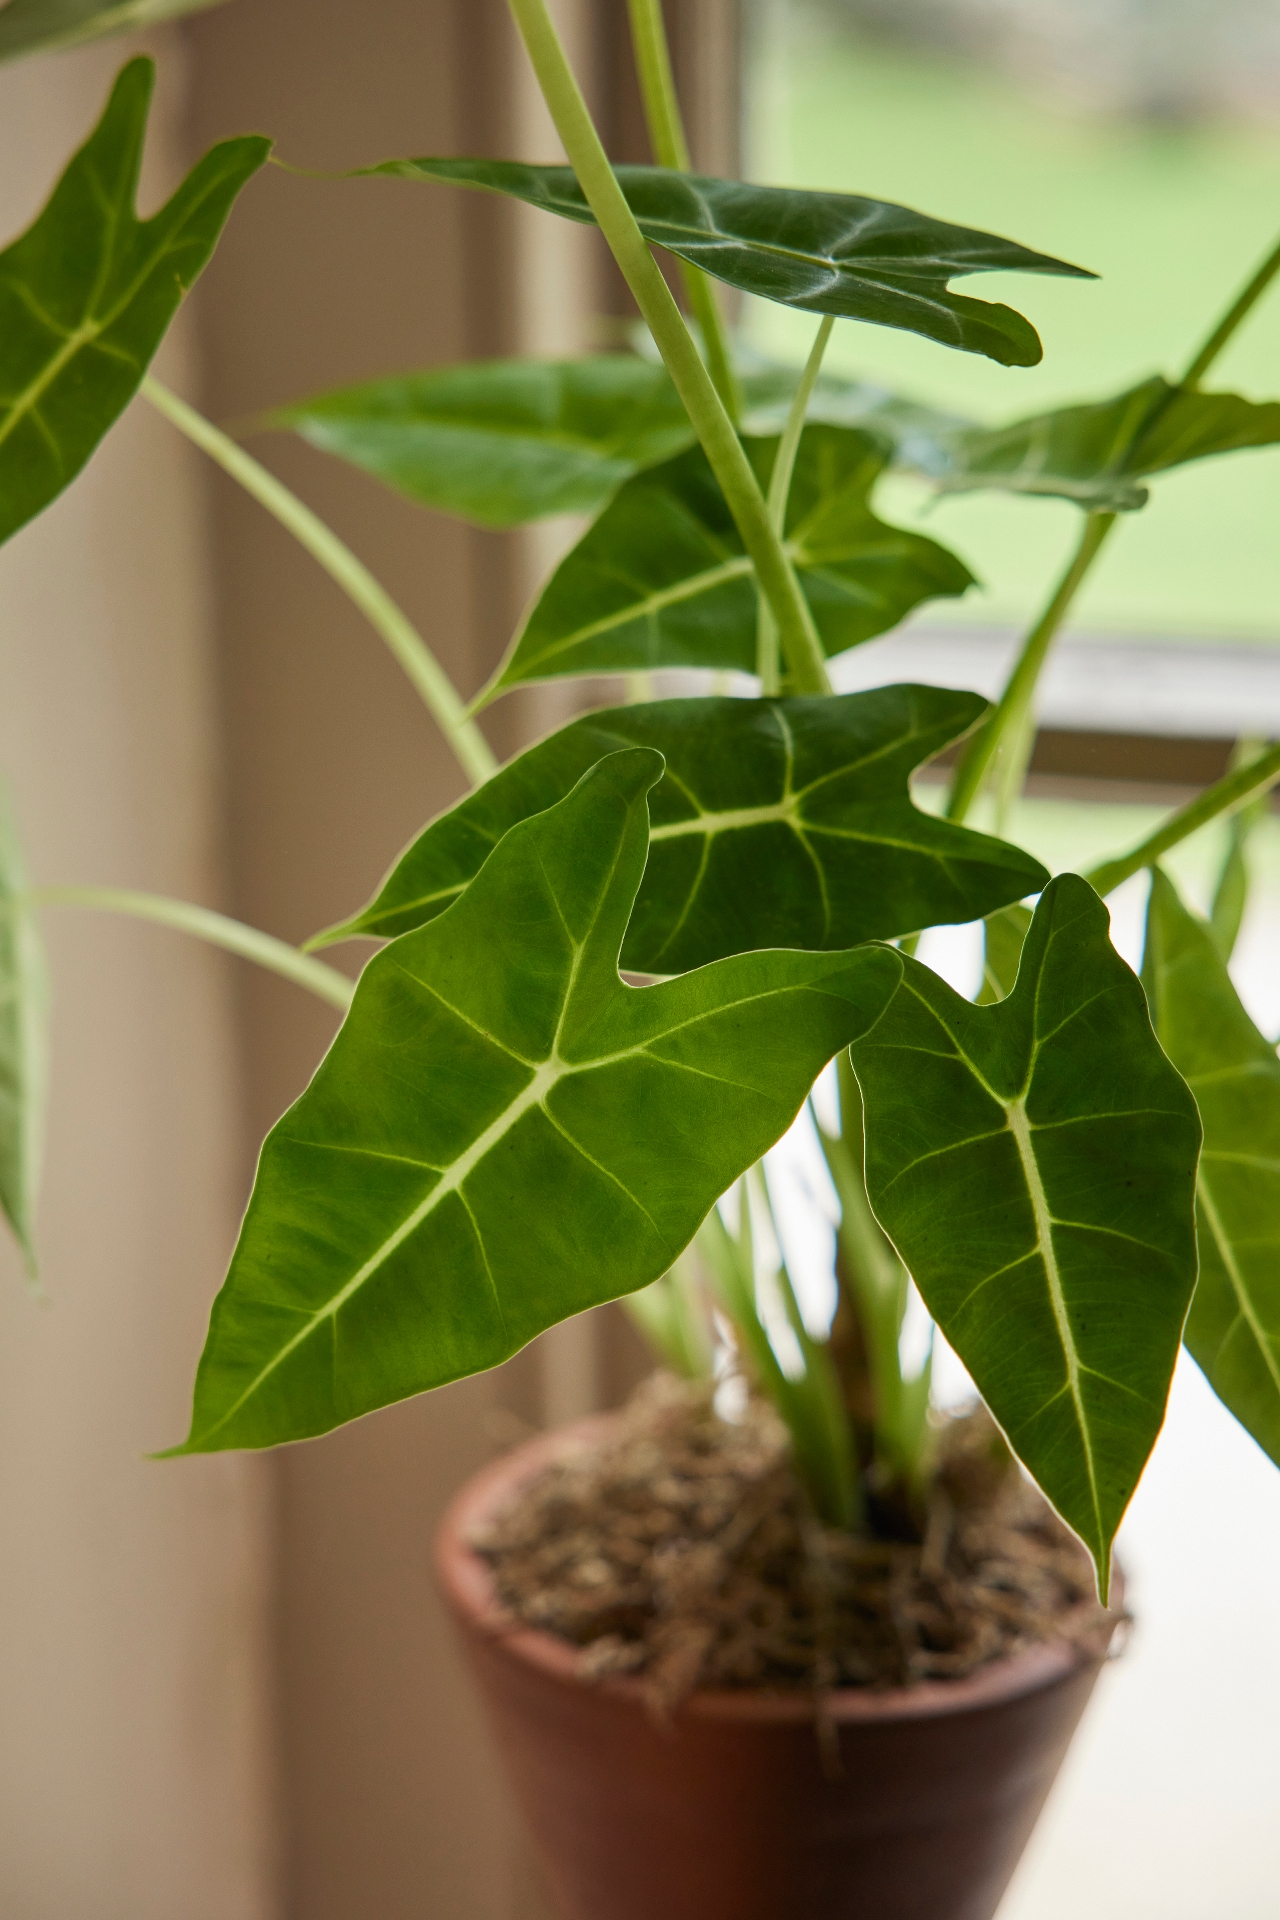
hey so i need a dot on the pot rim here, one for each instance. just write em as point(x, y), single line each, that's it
point(467, 1584)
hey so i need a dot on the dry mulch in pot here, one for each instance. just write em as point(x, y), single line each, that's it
point(681, 1548)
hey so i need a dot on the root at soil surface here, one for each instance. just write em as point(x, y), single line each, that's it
point(682, 1548)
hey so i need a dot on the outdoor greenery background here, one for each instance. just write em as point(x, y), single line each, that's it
point(1171, 214)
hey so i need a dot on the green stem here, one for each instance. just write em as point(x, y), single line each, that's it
point(801, 646)
point(1218, 339)
point(671, 149)
point(438, 692)
point(1233, 790)
point(1019, 692)
point(263, 948)
point(1015, 703)
point(784, 464)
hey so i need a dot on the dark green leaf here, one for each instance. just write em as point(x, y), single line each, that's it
point(34, 26)
point(1233, 1330)
point(1034, 1163)
point(503, 1133)
point(822, 252)
point(779, 823)
point(1003, 938)
point(663, 580)
point(1098, 454)
point(87, 293)
point(500, 442)
point(23, 1043)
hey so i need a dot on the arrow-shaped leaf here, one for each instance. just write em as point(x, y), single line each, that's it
point(501, 442)
point(503, 1133)
point(23, 1043)
point(1233, 1330)
point(87, 293)
point(35, 26)
point(778, 823)
point(1098, 454)
point(835, 253)
point(663, 580)
point(1034, 1163)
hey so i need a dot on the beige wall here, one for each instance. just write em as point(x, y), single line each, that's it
point(134, 1775)
point(226, 1689)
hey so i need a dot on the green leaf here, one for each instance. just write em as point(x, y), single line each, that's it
point(1034, 1163)
point(504, 1134)
point(35, 26)
point(1233, 1330)
point(822, 252)
point(1003, 938)
point(87, 293)
point(663, 580)
point(812, 793)
point(1098, 454)
point(502, 442)
point(23, 1043)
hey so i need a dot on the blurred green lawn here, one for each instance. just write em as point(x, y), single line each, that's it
point(1173, 219)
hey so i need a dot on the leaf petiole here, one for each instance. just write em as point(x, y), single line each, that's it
point(801, 646)
point(440, 696)
point(1233, 790)
point(784, 462)
point(671, 149)
point(277, 956)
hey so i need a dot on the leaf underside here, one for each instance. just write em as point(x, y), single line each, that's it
point(23, 1044)
point(504, 1134)
point(37, 26)
point(662, 579)
point(1034, 1163)
point(778, 823)
point(503, 442)
point(87, 293)
point(834, 253)
point(1233, 1330)
point(1098, 454)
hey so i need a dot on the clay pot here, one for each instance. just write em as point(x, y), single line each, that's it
point(728, 1811)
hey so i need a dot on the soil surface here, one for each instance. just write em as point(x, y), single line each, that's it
point(682, 1548)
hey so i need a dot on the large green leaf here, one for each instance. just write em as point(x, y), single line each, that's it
point(87, 293)
point(23, 1043)
point(778, 823)
point(663, 580)
point(34, 26)
point(500, 442)
point(1098, 454)
point(832, 253)
point(1233, 1329)
point(503, 1133)
point(1034, 1163)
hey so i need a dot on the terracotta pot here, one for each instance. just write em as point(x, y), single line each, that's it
point(727, 1812)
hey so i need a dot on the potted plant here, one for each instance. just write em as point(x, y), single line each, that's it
point(1075, 1172)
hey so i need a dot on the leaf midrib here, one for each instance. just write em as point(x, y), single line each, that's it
point(1020, 1127)
point(1226, 1253)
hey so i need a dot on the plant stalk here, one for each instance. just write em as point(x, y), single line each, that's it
point(1015, 703)
point(784, 463)
point(437, 691)
point(251, 944)
point(671, 149)
point(801, 646)
point(1233, 790)
point(1250, 294)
